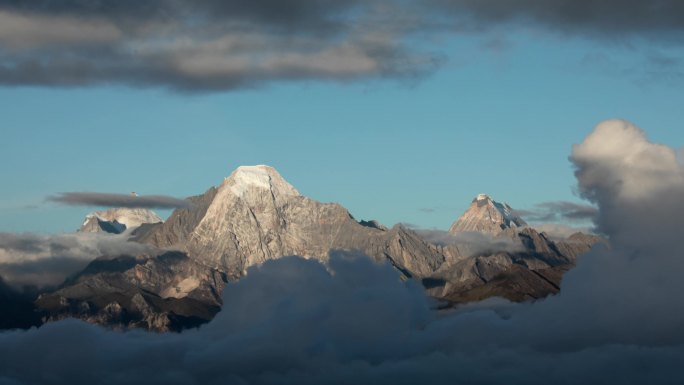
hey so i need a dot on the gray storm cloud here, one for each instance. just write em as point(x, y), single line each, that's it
point(215, 45)
point(118, 200)
point(293, 321)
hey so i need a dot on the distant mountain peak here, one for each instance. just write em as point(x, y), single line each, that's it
point(118, 220)
point(487, 216)
point(482, 197)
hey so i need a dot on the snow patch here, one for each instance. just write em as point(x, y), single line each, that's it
point(250, 176)
point(260, 177)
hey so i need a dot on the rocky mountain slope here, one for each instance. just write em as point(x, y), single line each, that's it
point(531, 271)
point(255, 215)
point(164, 292)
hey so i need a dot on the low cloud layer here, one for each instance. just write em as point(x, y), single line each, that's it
point(31, 260)
point(225, 45)
point(472, 243)
point(559, 211)
point(562, 232)
point(291, 321)
point(118, 200)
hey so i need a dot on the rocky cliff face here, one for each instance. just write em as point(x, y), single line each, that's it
point(488, 216)
point(118, 220)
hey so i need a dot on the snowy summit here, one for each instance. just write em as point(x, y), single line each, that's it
point(487, 215)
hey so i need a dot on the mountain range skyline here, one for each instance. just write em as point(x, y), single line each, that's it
point(561, 217)
point(502, 96)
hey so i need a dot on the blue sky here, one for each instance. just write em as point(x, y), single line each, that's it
point(499, 120)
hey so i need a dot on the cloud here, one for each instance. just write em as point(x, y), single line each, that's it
point(561, 232)
point(206, 45)
point(47, 260)
point(214, 45)
point(603, 18)
point(617, 318)
point(559, 211)
point(118, 200)
point(471, 243)
point(19, 31)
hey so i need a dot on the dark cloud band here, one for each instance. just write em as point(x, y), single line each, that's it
point(559, 211)
point(594, 17)
point(225, 45)
point(118, 200)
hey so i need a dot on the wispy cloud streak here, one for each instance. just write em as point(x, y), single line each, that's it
point(118, 200)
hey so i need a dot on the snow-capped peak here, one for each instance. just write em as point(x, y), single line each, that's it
point(487, 215)
point(252, 175)
point(118, 220)
point(261, 177)
point(482, 197)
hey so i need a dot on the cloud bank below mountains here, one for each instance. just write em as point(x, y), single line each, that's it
point(224, 45)
point(291, 321)
point(38, 261)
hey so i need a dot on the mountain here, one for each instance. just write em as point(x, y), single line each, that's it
point(164, 292)
point(118, 220)
point(530, 266)
point(255, 215)
point(488, 216)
